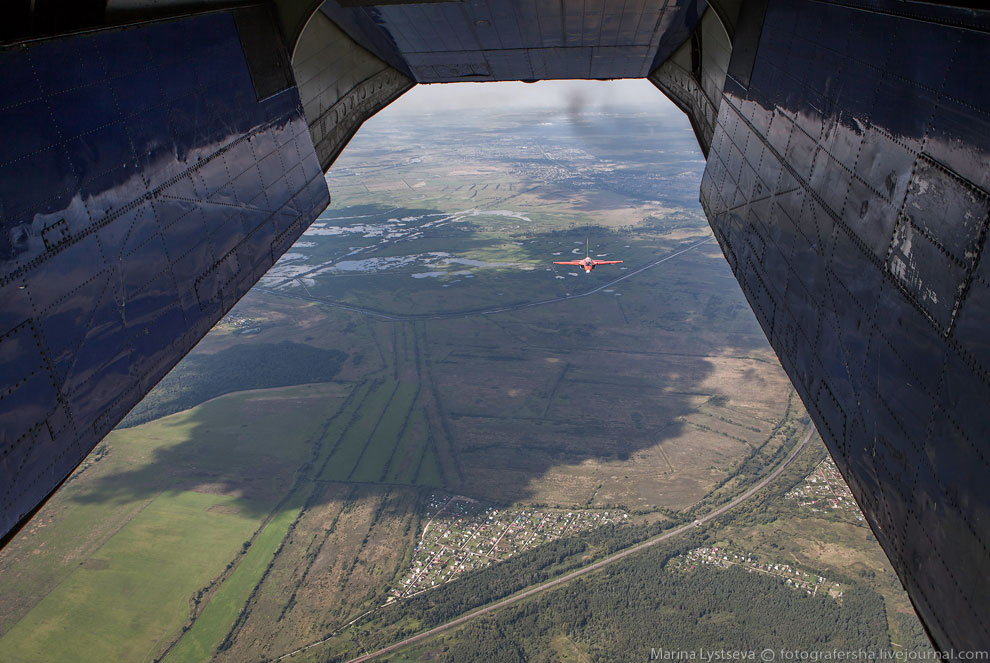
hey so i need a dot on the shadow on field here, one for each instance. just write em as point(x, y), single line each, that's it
point(494, 404)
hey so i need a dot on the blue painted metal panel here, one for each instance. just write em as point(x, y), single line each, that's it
point(499, 40)
point(143, 189)
point(848, 187)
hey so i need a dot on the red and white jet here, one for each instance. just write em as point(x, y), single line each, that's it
point(587, 262)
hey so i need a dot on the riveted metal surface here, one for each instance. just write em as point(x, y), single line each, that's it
point(499, 40)
point(692, 76)
point(341, 84)
point(143, 190)
point(867, 273)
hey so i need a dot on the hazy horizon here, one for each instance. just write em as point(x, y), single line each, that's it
point(589, 96)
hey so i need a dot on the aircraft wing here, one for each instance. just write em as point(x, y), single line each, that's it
point(607, 262)
point(568, 262)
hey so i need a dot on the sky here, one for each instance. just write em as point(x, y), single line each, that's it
point(588, 96)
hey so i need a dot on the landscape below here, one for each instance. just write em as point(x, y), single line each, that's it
point(415, 414)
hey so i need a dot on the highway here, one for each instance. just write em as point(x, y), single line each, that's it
point(567, 577)
point(489, 311)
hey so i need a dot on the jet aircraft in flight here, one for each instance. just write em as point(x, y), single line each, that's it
point(587, 261)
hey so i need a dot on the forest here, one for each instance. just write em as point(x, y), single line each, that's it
point(638, 606)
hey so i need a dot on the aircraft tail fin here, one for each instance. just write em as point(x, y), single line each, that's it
point(587, 248)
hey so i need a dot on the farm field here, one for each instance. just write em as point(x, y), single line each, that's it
point(114, 559)
point(447, 383)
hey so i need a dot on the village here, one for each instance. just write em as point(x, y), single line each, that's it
point(824, 490)
point(463, 534)
point(717, 557)
point(239, 324)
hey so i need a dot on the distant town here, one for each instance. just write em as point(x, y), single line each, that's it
point(240, 325)
point(462, 534)
point(825, 490)
point(812, 583)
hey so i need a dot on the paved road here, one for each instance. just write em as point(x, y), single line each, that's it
point(489, 311)
point(593, 567)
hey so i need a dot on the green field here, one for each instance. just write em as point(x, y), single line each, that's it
point(130, 596)
point(407, 458)
point(385, 442)
point(120, 568)
point(430, 472)
point(215, 621)
point(355, 436)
